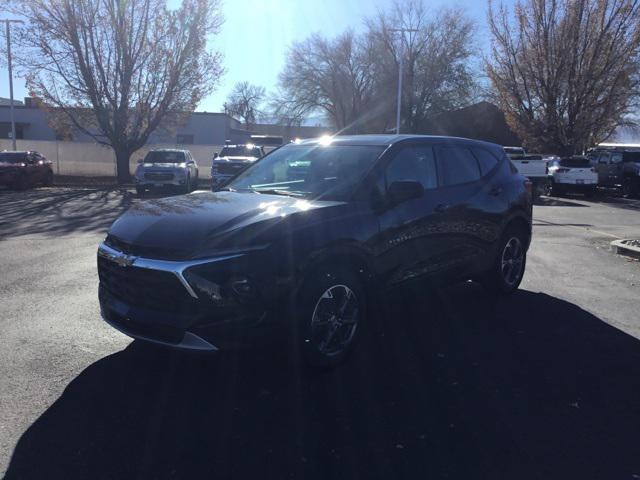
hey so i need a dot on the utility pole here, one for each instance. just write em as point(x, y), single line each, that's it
point(7, 23)
point(401, 31)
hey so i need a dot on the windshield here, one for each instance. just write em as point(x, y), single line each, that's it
point(311, 171)
point(241, 151)
point(160, 156)
point(12, 157)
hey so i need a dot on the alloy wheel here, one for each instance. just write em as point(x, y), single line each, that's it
point(512, 261)
point(334, 320)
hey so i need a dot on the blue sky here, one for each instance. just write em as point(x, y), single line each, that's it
point(257, 33)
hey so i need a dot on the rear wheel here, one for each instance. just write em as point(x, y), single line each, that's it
point(556, 190)
point(329, 316)
point(591, 192)
point(630, 187)
point(509, 266)
point(140, 191)
point(48, 179)
point(22, 183)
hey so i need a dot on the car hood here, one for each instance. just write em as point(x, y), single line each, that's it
point(202, 223)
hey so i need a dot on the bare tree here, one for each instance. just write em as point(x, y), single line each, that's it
point(119, 69)
point(353, 78)
point(334, 77)
point(438, 60)
point(565, 72)
point(245, 101)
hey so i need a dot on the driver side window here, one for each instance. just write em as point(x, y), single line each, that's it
point(416, 163)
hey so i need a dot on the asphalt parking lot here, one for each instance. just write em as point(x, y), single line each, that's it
point(544, 384)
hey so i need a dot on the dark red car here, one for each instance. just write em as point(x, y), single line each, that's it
point(21, 170)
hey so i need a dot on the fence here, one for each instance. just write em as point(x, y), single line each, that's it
point(95, 160)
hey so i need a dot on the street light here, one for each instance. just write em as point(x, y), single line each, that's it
point(13, 123)
point(401, 31)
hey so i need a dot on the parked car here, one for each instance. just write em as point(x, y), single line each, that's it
point(21, 170)
point(532, 166)
point(232, 160)
point(306, 257)
point(163, 168)
point(618, 167)
point(573, 174)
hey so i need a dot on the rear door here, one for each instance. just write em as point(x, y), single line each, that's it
point(603, 168)
point(470, 207)
point(615, 168)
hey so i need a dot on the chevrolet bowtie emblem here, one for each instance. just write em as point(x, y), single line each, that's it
point(124, 260)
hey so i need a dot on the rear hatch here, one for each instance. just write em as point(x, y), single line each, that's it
point(576, 170)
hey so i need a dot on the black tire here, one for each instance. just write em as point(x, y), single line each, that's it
point(187, 185)
point(48, 179)
point(329, 315)
point(22, 183)
point(556, 190)
point(591, 192)
point(502, 279)
point(630, 188)
point(140, 191)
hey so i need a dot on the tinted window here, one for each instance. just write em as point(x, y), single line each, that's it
point(12, 157)
point(457, 165)
point(604, 158)
point(414, 163)
point(166, 156)
point(616, 158)
point(631, 157)
point(486, 160)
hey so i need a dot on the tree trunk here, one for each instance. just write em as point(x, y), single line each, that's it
point(122, 165)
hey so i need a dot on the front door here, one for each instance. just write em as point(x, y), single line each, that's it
point(602, 168)
point(408, 239)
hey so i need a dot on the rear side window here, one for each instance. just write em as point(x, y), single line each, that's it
point(486, 159)
point(456, 165)
point(413, 163)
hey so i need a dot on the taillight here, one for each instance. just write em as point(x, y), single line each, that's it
point(594, 169)
point(528, 186)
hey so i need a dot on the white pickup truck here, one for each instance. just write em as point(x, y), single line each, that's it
point(534, 167)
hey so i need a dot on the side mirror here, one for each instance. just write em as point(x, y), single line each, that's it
point(402, 191)
point(215, 155)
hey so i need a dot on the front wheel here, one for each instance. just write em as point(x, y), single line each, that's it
point(630, 188)
point(48, 179)
point(187, 184)
point(329, 316)
point(508, 269)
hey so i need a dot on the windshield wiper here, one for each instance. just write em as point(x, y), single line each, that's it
point(276, 191)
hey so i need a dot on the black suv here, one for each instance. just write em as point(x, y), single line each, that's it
point(618, 168)
point(301, 243)
point(21, 170)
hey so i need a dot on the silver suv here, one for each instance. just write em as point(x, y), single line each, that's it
point(232, 160)
point(167, 168)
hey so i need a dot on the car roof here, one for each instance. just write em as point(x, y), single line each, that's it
point(387, 140)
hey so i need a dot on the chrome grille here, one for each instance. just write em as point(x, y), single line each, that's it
point(158, 176)
point(145, 288)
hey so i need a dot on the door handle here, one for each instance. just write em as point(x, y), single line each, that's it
point(441, 208)
point(495, 191)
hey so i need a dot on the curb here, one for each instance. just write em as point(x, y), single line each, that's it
point(622, 247)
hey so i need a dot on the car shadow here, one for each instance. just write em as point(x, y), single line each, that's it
point(454, 385)
point(61, 210)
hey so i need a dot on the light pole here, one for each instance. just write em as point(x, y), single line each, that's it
point(401, 31)
point(13, 123)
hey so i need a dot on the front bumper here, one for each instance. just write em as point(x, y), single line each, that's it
point(172, 178)
point(179, 315)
